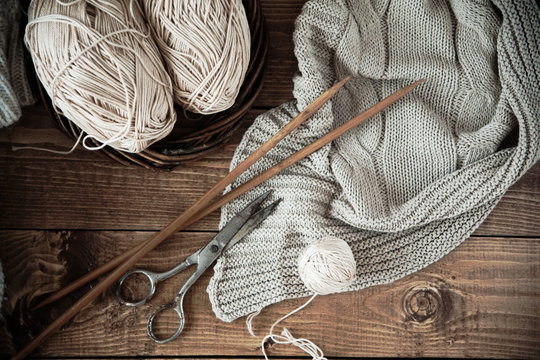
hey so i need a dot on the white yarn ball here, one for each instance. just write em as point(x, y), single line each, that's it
point(327, 266)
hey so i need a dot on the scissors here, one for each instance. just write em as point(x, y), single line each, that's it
point(239, 226)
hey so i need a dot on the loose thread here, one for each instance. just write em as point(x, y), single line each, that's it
point(249, 321)
point(60, 152)
point(307, 345)
point(287, 338)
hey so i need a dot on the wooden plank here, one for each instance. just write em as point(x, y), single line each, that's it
point(281, 64)
point(86, 191)
point(479, 301)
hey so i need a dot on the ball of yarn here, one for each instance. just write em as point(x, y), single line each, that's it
point(327, 266)
point(206, 46)
point(102, 70)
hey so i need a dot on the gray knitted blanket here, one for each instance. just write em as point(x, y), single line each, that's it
point(410, 184)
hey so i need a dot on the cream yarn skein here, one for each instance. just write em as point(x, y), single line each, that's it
point(206, 46)
point(102, 70)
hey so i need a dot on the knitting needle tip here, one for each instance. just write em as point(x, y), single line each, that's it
point(416, 83)
point(332, 90)
point(405, 90)
point(344, 80)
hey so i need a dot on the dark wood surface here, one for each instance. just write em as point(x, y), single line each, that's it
point(62, 215)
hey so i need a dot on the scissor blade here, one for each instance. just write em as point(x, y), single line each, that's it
point(235, 224)
point(252, 223)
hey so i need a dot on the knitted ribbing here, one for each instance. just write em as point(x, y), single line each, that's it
point(14, 89)
point(410, 184)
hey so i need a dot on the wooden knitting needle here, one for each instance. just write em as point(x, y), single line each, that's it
point(309, 149)
point(174, 226)
point(205, 200)
point(182, 222)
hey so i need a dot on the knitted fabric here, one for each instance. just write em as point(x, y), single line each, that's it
point(14, 89)
point(410, 184)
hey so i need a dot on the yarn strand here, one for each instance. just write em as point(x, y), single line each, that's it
point(249, 321)
point(59, 152)
point(287, 338)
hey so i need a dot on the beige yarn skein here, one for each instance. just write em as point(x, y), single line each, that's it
point(206, 46)
point(102, 70)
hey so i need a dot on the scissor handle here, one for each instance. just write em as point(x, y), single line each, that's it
point(152, 279)
point(178, 309)
point(177, 305)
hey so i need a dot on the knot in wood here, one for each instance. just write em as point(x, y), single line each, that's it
point(423, 304)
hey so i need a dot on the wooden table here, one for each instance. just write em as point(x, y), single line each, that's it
point(64, 215)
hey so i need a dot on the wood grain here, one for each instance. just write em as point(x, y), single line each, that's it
point(86, 191)
point(114, 269)
point(479, 301)
point(282, 64)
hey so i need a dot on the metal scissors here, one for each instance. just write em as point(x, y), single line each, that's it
point(239, 226)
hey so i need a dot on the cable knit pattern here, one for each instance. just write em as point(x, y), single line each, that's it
point(410, 184)
point(14, 88)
